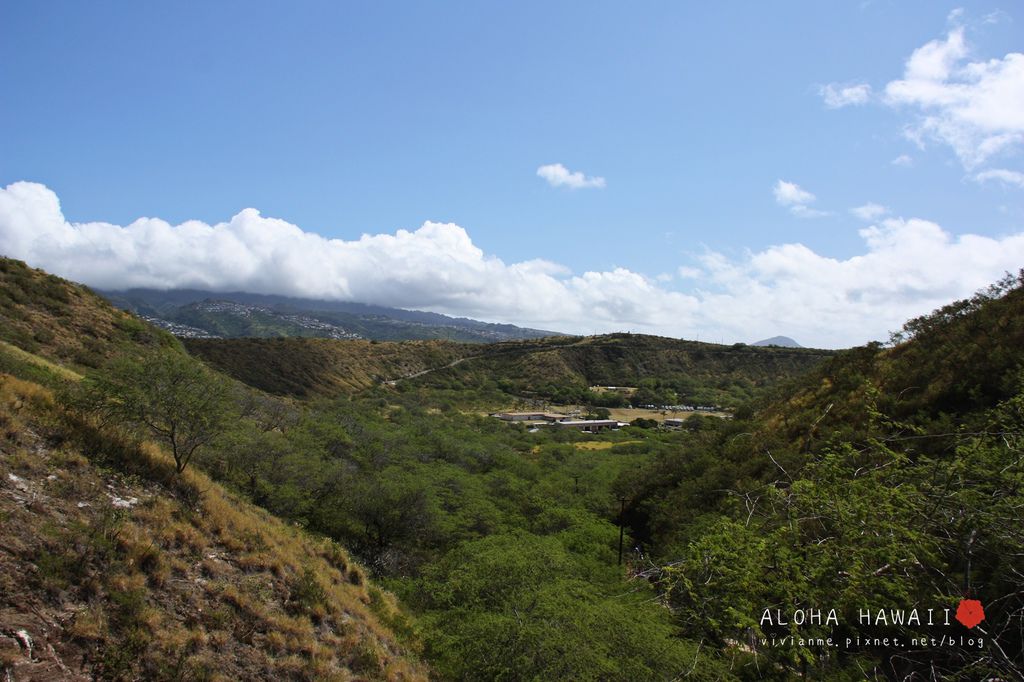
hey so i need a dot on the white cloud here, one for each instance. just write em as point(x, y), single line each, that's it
point(1007, 177)
point(795, 198)
point(905, 268)
point(902, 160)
point(790, 193)
point(801, 211)
point(558, 175)
point(869, 211)
point(837, 96)
point(688, 272)
point(435, 267)
point(975, 107)
point(996, 17)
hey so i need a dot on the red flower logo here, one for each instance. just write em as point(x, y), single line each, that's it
point(970, 612)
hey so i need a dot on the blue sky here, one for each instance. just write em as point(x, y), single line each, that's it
point(347, 119)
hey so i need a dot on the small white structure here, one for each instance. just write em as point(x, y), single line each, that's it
point(590, 425)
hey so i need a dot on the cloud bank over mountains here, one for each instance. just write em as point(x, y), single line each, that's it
point(907, 268)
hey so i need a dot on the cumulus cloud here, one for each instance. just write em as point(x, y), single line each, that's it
point(837, 96)
point(558, 175)
point(902, 160)
point(906, 268)
point(869, 211)
point(790, 193)
point(1007, 177)
point(436, 267)
point(975, 107)
point(795, 198)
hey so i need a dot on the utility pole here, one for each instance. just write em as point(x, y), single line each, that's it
point(622, 511)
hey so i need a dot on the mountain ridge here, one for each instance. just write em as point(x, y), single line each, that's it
point(560, 369)
point(348, 319)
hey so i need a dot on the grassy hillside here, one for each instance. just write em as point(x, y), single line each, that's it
point(65, 322)
point(507, 557)
point(942, 371)
point(228, 320)
point(671, 370)
point(883, 477)
point(557, 368)
point(312, 367)
point(114, 568)
point(888, 478)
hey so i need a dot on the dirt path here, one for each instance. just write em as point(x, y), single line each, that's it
point(392, 382)
point(524, 351)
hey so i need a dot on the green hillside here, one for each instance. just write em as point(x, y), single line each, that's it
point(509, 569)
point(560, 369)
point(670, 371)
point(888, 477)
point(113, 566)
point(322, 367)
point(65, 322)
point(251, 322)
point(891, 477)
point(239, 314)
point(942, 373)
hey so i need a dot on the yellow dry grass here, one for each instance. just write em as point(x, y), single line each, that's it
point(603, 444)
point(249, 563)
point(58, 369)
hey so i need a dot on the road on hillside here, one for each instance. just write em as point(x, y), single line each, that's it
point(504, 351)
point(392, 382)
point(553, 346)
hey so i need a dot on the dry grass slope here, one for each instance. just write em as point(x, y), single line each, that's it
point(65, 322)
point(112, 568)
point(311, 367)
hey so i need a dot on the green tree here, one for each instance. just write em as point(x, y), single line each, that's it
point(523, 607)
point(172, 396)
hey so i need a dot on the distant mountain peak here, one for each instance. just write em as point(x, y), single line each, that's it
point(783, 341)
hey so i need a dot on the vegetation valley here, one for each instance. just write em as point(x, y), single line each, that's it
point(317, 508)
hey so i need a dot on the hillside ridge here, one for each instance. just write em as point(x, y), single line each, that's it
point(194, 313)
point(112, 566)
point(554, 368)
